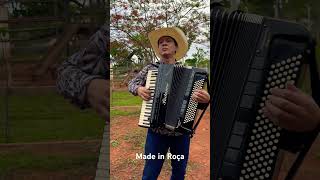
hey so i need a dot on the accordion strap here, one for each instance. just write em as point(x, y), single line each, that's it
point(315, 86)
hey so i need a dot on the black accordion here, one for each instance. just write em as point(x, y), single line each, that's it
point(171, 105)
point(251, 54)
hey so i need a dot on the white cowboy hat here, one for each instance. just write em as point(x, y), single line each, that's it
point(174, 32)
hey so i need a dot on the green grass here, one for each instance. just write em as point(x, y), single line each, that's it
point(124, 98)
point(28, 161)
point(47, 117)
point(115, 143)
point(115, 113)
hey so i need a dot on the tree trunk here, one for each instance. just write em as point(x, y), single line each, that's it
point(277, 8)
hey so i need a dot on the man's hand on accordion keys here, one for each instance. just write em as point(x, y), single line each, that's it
point(144, 93)
point(292, 109)
point(201, 96)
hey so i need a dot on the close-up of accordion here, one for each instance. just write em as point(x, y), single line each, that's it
point(251, 54)
point(171, 105)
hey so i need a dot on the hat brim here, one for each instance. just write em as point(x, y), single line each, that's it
point(176, 34)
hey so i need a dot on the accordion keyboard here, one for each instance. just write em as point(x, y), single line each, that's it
point(145, 115)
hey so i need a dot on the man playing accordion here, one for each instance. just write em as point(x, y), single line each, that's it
point(170, 45)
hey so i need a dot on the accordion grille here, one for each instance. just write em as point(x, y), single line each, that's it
point(192, 106)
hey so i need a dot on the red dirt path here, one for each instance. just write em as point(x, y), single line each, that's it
point(122, 151)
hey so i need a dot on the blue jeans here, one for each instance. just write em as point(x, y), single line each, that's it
point(158, 144)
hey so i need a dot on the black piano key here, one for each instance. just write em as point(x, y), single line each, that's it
point(232, 155)
point(247, 101)
point(251, 88)
point(255, 75)
point(258, 63)
point(235, 141)
point(239, 128)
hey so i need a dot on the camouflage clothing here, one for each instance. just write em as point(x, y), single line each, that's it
point(90, 63)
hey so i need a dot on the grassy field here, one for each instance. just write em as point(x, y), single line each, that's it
point(44, 117)
point(49, 117)
point(124, 98)
point(121, 101)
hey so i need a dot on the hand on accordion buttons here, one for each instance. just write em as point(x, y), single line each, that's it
point(292, 109)
point(201, 96)
point(98, 96)
point(144, 93)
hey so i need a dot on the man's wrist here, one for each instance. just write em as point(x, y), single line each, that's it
point(137, 89)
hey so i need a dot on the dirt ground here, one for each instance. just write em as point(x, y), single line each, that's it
point(310, 168)
point(125, 166)
point(127, 139)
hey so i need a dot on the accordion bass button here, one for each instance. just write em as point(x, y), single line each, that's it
point(252, 174)
point(299, 56)
point(288, 60)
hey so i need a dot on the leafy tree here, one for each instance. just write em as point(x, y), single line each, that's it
point(199, 59)
point(131, 21)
